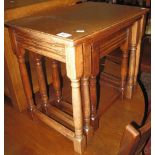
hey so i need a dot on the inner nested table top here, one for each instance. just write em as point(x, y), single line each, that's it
point(79, 20)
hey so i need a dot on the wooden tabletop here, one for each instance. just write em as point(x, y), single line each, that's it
point(80, 20)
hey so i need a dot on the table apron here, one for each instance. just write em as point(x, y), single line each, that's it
point(52, 50)
point(112, 42)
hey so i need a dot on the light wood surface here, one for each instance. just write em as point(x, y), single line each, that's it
point(41, 81)
point(74, 68)
point(19, 9)
point(85, 91)
point(83, 17)
point(25, 79)
point(103, 27)
point(41, 139)
point(124, 65)
point(13, 10)
point(86, 107)
point(13, 81)
point(94, 84)
point(56, 80)
point(138, 51)
point(41, 34)
point(134, 38)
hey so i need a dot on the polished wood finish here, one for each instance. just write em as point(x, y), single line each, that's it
point(13, 83)
point(25, 79)
point(41, 81)
point(134, 38)
point(74, 66)
point(134, 140)
point(39, 34)
point(86, 91)
point(19, 9)
point(40, 139)
point(124, 65)
point(93, 96)
point(124, 71)
point(86, 107)
point(79, 141)
point(61, 116)
point(93, 86)
point(74, 59)
point(111, 80)
point(117, 18)
point(56, 80)
point(54, 124)
point(145, 60)
point(141, 33)
point(123, 44)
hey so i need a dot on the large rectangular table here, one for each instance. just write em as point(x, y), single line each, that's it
point(79, 36)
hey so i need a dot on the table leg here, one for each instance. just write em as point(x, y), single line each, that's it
point(56, 80)
point(131, 72)
point(124, 66)
point(93, 86)
point(85, 90)
point(25, 79)
point(133, 33)
point(93, 96)
point(141, 31)
point(41, 81)
point(86, 107)
point(74, 67)
point(79, 141)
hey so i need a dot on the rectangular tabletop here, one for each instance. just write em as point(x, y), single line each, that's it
point(79, 21)
point(75, 35)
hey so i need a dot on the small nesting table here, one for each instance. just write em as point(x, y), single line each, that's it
point(79, 36)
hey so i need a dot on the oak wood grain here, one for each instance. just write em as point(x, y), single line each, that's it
point(14, 10)
point(41, 34)
point(134, 37)
point(47, 140)
point(41, 81)
point(56, 80)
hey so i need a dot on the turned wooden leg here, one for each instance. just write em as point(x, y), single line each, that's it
point(133, 44)
point(137, 57)
point(74, 67)
point(56, 80)
point(41, 81)
point(95, 57)
point(79, 140)
point(93, 96)
point(131, 72)
point(141, 31)
point(86, 107)
point(124, 69)
point(25, 80)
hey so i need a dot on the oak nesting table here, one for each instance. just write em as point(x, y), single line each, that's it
point(79, 36)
